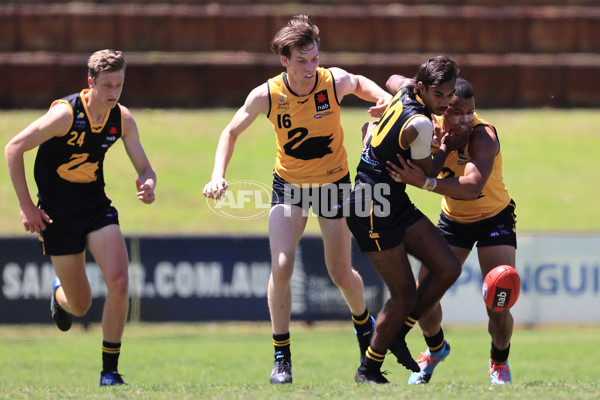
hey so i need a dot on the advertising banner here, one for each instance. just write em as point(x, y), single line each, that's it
point(560, 283)
point(226, 278)
point(186, 279)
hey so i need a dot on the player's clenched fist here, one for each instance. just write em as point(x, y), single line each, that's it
point(215, 189)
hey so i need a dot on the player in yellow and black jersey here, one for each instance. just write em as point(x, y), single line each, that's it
point(476, 208)
point(69, 167)
point(303, 104)
point(388, 226)
point(310, 138)
point(73, 211)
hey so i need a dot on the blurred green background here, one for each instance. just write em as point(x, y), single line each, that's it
point(550, 165)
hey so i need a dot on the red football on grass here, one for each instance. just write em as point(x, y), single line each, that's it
point(501, 287)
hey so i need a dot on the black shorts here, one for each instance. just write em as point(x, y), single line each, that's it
point(67, 233)
point(495, 231)
point(378, 226)
point(326, 201)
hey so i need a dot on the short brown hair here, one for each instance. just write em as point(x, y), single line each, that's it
point(299, 33)
point(107, 60)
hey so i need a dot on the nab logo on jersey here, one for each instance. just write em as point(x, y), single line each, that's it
point(322, 101)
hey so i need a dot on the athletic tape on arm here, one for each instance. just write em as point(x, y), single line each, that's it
point(421, 146)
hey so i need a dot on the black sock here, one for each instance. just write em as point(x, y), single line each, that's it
point(373, 359)
point(411, 320)
point(282, 343)
point(435, 342)
point(362, 322)
point(499, 356)
point(110, 356)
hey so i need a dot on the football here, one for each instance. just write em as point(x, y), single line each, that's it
point(501, 287)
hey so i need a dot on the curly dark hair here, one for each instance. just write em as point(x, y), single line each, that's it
point(463, 89)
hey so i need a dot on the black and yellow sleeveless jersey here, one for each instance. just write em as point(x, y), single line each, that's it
point(493, 198)
point(385, 141)
point(310, 138)
point(69, 167)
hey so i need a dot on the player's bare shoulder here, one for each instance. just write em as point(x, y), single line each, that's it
point(484, 139)
point(129, 124)
point(344, 83)
point(60, 110)
point(338, 73)
point(484, 132)
point(258, 100)
point(125, 112)
point(57, 120)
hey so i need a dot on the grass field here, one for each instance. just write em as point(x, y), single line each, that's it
point(233, 361)
point(550, 166)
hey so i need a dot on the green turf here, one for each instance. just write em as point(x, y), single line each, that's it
point(233, 361)
point(550, 166)
point(550, 162)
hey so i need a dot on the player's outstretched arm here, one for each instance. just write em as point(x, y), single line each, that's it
point(256, 103)
point(363, 87)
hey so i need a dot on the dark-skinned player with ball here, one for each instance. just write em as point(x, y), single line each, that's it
point(476, 208)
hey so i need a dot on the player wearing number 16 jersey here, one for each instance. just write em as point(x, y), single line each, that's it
point(310, 138)
point(303, 104)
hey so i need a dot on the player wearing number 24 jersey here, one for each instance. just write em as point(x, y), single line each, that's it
point(69, 167)
point(73, 212)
